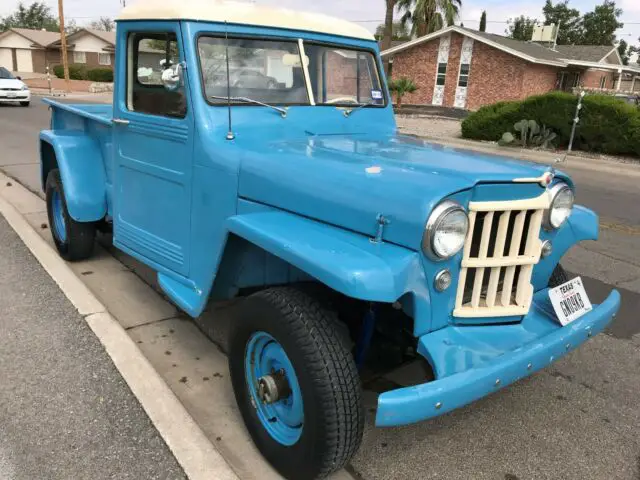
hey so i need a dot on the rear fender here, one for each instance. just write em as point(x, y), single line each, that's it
point(79, 159)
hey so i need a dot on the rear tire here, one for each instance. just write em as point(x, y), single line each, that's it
point(558, 277)
point(323, 382)
point(74, 240)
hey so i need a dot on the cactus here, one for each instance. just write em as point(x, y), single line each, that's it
point(523, 128)
point(507, 138)
point(530, 134)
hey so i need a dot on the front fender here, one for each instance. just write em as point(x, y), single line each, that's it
point(347, 262)
point(581, 225)
point(81, 166)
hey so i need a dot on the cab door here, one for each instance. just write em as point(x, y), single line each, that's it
point(153, 145)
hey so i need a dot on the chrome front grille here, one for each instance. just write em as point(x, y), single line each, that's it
point(501, 248)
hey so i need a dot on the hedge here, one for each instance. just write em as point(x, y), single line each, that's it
point(607, 124)
point(80, 72)
point(100, 75)
point(76, 72)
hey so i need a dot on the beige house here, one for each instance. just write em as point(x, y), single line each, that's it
point(31, 51)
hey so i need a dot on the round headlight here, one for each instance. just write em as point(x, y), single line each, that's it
point(446, 231)
point(561, 206)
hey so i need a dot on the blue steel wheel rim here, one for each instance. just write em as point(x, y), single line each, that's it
point(59, 224)
point(284, 419)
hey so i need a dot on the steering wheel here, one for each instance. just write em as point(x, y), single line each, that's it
point(333, 101)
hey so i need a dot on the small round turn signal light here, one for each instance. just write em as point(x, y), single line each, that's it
point(442, 280)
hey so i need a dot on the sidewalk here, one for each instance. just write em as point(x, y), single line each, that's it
point(65, 411)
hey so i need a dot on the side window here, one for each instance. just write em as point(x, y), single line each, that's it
point(148, 55)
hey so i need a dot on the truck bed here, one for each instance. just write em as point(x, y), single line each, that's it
point(99, 112)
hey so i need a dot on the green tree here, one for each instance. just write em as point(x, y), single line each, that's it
point(521, 28)
point(568, 20)
point(400, 31)
point(401, 87)
point(427, 16)
point(599, 26)
point(103, 23)
point(625, 51)
point(483, 21)
point(36, 16)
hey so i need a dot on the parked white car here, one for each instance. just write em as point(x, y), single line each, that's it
point(13, 89)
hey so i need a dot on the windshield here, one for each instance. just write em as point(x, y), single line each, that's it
point(271, 72)
point(264, 70)
point(6, 74)
point(341, 76)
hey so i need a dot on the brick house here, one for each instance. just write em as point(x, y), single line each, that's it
point(463, 68)
point(31, 51)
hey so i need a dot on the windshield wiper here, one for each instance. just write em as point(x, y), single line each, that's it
point(359, 107)
point(282, 111)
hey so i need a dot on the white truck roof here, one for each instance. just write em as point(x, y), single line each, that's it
point(242, 13)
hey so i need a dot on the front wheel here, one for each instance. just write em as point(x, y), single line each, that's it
point(296, 383)
point(74, 240)
point(24, 104)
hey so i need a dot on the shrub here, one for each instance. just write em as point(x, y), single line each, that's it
point(76, 72)
point(100, 75)
point(607, 124)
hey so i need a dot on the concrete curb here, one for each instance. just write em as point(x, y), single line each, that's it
point(192, 449)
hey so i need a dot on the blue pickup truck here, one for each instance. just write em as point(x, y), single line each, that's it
point(253, 152)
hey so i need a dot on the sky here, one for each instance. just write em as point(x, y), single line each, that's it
point(370, 13)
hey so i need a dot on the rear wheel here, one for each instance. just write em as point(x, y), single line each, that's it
point(296, 383)
point(558, 277)
point(74, 240)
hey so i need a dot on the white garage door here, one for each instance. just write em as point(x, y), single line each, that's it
point(25, 64)
point(6, 60)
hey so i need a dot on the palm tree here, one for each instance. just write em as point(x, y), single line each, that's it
point(428, 16)
point(388, 30)
point(401, 86)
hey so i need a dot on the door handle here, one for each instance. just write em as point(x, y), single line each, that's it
point(120, 121)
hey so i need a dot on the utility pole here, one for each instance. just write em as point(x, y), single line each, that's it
point(63, 45)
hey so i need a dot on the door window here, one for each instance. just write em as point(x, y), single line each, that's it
point(149, 55)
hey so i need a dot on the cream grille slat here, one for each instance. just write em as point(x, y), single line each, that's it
point(492, 290)
point(494, 226)
point(507, 286)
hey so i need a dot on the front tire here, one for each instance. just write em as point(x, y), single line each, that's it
point(25, 104)
point(317, 427)
point(74, 240)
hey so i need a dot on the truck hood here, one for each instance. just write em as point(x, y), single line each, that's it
point(347, 180)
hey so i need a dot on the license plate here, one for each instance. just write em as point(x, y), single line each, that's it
point(570, 301)
point(11, 95)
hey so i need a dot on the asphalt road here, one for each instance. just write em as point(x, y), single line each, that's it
point(578, 419)
point(65, 411)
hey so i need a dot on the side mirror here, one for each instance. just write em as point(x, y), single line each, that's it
point(18, 77)
point(172, 77)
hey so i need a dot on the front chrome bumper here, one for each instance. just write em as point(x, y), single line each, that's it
point(471, 362)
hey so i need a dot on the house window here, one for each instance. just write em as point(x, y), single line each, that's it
point(576, 80)
point(603, 81)
point(463, 79)
point(442, 74)
point(79, 57)
point(104, 58)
